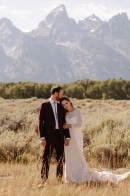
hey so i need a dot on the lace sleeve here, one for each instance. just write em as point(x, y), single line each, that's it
point(79, 119)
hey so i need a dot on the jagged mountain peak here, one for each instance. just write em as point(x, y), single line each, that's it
point(7, 27)
point(5, 22)
point(93, 17)
point(91, 22)
point(119, 26)
point(57, 14)
point(120, 19)
point(59, 9)
point(57, 24)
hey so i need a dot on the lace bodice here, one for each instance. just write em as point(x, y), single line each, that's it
point(74, 118)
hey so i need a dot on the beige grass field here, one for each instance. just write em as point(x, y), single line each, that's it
point(17, 179)
point(23, 181)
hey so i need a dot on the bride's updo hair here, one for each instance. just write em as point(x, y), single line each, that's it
point(66, 99)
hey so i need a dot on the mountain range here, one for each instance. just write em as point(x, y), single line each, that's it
point(62, 50)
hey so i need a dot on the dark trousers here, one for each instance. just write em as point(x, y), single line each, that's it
point(58, 145)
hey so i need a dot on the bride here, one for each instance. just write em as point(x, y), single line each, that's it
point(76, 167)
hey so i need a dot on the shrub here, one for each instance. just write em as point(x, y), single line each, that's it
point(16, 146)
point(108, 142)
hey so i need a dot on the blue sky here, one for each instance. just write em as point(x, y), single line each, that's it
point(26, 14)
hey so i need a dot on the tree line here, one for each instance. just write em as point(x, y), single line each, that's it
point(117, 89)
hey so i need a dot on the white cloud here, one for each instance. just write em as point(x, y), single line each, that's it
point(19, 13)
point(36, 10)
point(2, 7)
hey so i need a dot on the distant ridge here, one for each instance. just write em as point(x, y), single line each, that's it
point(61, 50)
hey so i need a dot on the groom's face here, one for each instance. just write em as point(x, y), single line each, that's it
point(59, 95)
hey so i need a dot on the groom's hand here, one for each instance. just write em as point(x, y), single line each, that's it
point(67, 141)
point(43, 142)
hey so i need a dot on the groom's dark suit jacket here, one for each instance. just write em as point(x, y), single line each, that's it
point(47, 122)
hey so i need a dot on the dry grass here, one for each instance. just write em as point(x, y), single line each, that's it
point(19, 180)
point(23, 179)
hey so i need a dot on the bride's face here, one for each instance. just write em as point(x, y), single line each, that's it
point(66, 104)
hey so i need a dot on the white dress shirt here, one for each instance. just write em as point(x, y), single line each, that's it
point(54, 107)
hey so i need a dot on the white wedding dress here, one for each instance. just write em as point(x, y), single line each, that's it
point(76, 167)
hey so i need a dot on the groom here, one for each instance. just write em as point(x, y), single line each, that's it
point(51, 132)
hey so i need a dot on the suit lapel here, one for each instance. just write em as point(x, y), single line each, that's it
point(51, 109)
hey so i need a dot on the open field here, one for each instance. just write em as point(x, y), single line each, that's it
point(23, 180)
point(104, 122)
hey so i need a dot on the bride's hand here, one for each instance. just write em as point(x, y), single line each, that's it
point(67, 126)
point(67, 141)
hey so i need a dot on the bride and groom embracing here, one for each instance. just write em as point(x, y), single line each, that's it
point(60, 129)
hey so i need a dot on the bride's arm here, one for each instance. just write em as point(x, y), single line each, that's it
point(79, 122)
point(76, 124)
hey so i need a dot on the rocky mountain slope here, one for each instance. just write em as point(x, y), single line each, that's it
point(61, 50)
